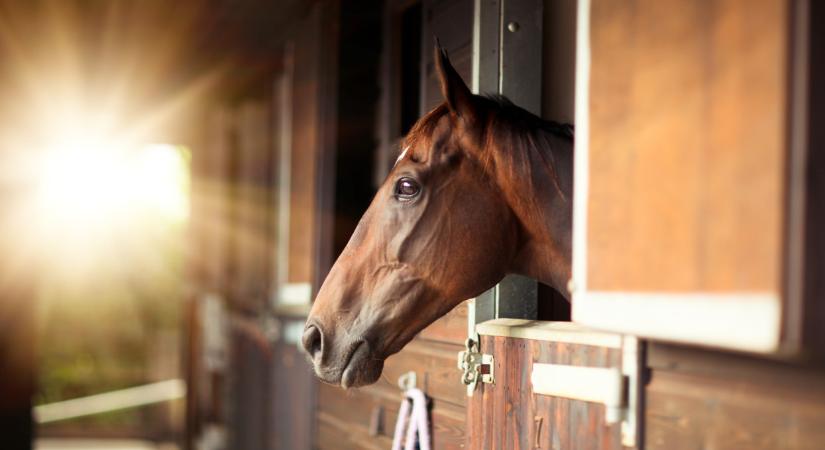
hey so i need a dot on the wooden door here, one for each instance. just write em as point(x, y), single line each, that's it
point(690, 173)
point(555, 385)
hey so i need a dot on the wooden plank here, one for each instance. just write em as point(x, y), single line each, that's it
point(213, 195)
point(450, 21)
point(252, 228)
point(687, 145)
point(556, 332)
point(248, 392)
point(351, 411)
point(727, 401)
point(688, 411)
point(305, 151)
point(292, 401)
point(452, 328)
point(435, 366)
point(333, 434)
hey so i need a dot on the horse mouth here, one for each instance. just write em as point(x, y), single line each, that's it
point(360, 369)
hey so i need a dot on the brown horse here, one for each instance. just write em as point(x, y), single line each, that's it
point(482, 189)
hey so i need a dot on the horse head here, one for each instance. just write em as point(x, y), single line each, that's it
point(439, 230)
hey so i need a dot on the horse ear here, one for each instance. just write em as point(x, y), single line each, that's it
point(458, 96)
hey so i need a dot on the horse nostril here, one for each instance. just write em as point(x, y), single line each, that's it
point(312, 341)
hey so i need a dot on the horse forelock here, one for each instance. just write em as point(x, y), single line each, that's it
point(422, 131)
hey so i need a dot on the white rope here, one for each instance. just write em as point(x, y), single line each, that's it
point(419, 422)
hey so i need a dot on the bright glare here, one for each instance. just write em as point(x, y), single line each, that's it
point(159, 181)
point(94, 184)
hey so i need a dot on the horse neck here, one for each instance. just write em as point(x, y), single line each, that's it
point(535, 173)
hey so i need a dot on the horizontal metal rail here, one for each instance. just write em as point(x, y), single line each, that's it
point(147, 394)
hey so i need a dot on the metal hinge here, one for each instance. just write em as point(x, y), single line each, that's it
point(475, 366)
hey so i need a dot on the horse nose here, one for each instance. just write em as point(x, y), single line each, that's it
point(312, 341)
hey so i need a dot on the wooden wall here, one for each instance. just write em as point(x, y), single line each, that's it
point(697, 156)
point(702, 399)
point(365, 418)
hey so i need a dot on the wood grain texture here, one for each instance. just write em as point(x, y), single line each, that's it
point(253, 226)
point(507, 415)
point(247, 392)
point(351, 411)
point(452, 22)
point(306, 144)
point(687, 145)
point(452, 328)
point(702, 399)
point(292, 402)
point(211, 189)
point(435, 366)
point(695, 411)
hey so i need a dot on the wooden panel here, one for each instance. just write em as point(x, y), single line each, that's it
point(698, 399)
point(452, 22)
point(252, 230)
point(435, 366)
point(292, 399)
point(213, 199)
point(306, 143)
point(452, 328)
point(507, 415)
point(247, 396)
point(352, 413)
point(687, 145)
point(559, 60)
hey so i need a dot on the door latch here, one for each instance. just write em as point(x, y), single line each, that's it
point(475, 366)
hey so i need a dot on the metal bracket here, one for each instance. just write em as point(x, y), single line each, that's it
point(475, 366)
point(408, 381)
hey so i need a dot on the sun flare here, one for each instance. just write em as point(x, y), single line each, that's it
point(96, 183)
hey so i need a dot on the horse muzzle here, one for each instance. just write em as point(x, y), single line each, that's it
point(349, 364)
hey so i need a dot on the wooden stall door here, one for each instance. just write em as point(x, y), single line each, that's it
point(547, 378)
point(686, 168)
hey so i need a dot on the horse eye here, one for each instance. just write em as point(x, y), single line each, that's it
point(406, 189)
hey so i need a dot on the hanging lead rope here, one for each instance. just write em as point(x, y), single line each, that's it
point(419, 423)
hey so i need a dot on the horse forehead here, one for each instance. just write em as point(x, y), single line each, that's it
point(420, 143)
point(402, 155)
point(440, 133)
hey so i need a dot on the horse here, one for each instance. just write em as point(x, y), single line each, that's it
point(481, 189)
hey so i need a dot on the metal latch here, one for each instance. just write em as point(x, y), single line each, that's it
point(475, 366)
